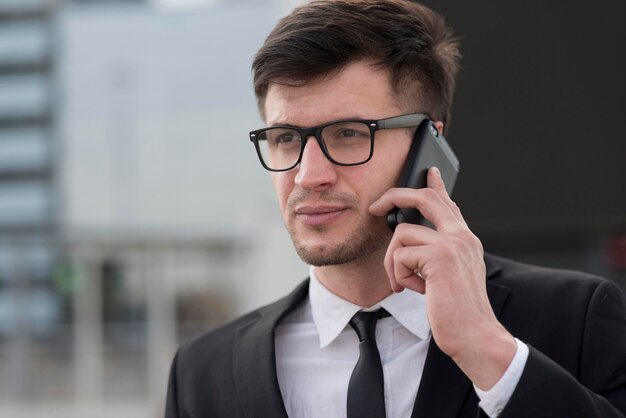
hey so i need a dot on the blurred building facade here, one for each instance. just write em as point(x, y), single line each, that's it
point(31, 307)
point(133, 212)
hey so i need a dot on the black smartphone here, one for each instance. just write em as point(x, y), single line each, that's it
point(428, 149)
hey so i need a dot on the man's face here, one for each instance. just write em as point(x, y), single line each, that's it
point(325, 206)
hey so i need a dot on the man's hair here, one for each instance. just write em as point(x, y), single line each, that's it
point(409, 40)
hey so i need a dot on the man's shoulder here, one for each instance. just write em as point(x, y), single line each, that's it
point(517, 274)
point(557, 311)
point(535, 292)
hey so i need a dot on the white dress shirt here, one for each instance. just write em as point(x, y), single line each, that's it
point(316, 351)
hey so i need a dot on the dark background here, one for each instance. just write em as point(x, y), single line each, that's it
point(539, 123)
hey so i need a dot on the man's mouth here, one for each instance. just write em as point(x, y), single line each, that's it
point(319, 215)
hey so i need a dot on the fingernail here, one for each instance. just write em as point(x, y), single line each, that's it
point(436, 170)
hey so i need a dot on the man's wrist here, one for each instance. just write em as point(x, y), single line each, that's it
point(494, 400)
point(487, 356)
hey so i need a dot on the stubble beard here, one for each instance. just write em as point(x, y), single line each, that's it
point(366, 239)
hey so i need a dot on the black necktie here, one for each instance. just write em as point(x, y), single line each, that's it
point(366, 397)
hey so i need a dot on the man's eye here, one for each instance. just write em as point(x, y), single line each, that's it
point(285, 138)
point(346, 131)
point(351, 133)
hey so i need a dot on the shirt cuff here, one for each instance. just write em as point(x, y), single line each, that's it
point(493, 401)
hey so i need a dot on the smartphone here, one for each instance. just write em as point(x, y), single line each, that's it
point(428, 149)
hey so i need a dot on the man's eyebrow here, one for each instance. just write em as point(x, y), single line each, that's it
point(288, 125)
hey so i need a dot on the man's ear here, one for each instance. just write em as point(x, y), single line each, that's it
point(439, 126)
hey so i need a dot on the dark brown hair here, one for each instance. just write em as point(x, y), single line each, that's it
point(409, 40)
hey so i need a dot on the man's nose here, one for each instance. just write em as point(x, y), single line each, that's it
point(315, 171)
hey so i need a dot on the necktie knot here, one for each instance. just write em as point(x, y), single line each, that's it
point(364, 323)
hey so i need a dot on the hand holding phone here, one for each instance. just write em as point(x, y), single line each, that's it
point(428, 149)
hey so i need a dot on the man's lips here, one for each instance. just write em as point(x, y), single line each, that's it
point(319, 215)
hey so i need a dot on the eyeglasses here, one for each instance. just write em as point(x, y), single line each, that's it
point(344, 142)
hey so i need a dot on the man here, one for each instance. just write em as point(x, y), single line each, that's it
point(469, 334)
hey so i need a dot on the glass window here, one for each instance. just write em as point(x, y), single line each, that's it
point(24, 202)
point(23, 149)
point(23, 42)
point(23, 95)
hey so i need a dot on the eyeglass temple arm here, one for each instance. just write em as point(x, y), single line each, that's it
point(404, 121)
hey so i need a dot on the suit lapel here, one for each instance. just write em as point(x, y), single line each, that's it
point(444, 388)
point(254, 360)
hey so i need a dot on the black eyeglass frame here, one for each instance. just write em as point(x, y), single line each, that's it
point(402, 121)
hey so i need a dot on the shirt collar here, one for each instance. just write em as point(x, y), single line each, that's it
point(331, 313)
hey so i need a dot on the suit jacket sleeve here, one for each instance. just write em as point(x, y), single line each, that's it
point(598, 388)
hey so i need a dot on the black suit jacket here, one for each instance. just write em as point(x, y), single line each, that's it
point(575, 325)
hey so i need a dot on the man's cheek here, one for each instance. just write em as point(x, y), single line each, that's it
point(282, 192)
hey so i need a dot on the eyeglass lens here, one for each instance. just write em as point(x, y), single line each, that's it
point(345, 142)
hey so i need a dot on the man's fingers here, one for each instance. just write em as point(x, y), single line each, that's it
point(435, 181)
point(406, 271)
point(427, 200)
point(403, 250)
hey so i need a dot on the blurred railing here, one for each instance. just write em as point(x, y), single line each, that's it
point(94, 336)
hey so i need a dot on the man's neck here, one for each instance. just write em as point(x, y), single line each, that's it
point(363, 282)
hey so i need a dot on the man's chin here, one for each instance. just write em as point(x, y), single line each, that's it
point(319, 258)
point(359, 244)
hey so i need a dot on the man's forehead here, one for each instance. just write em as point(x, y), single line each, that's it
point(356, 91)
